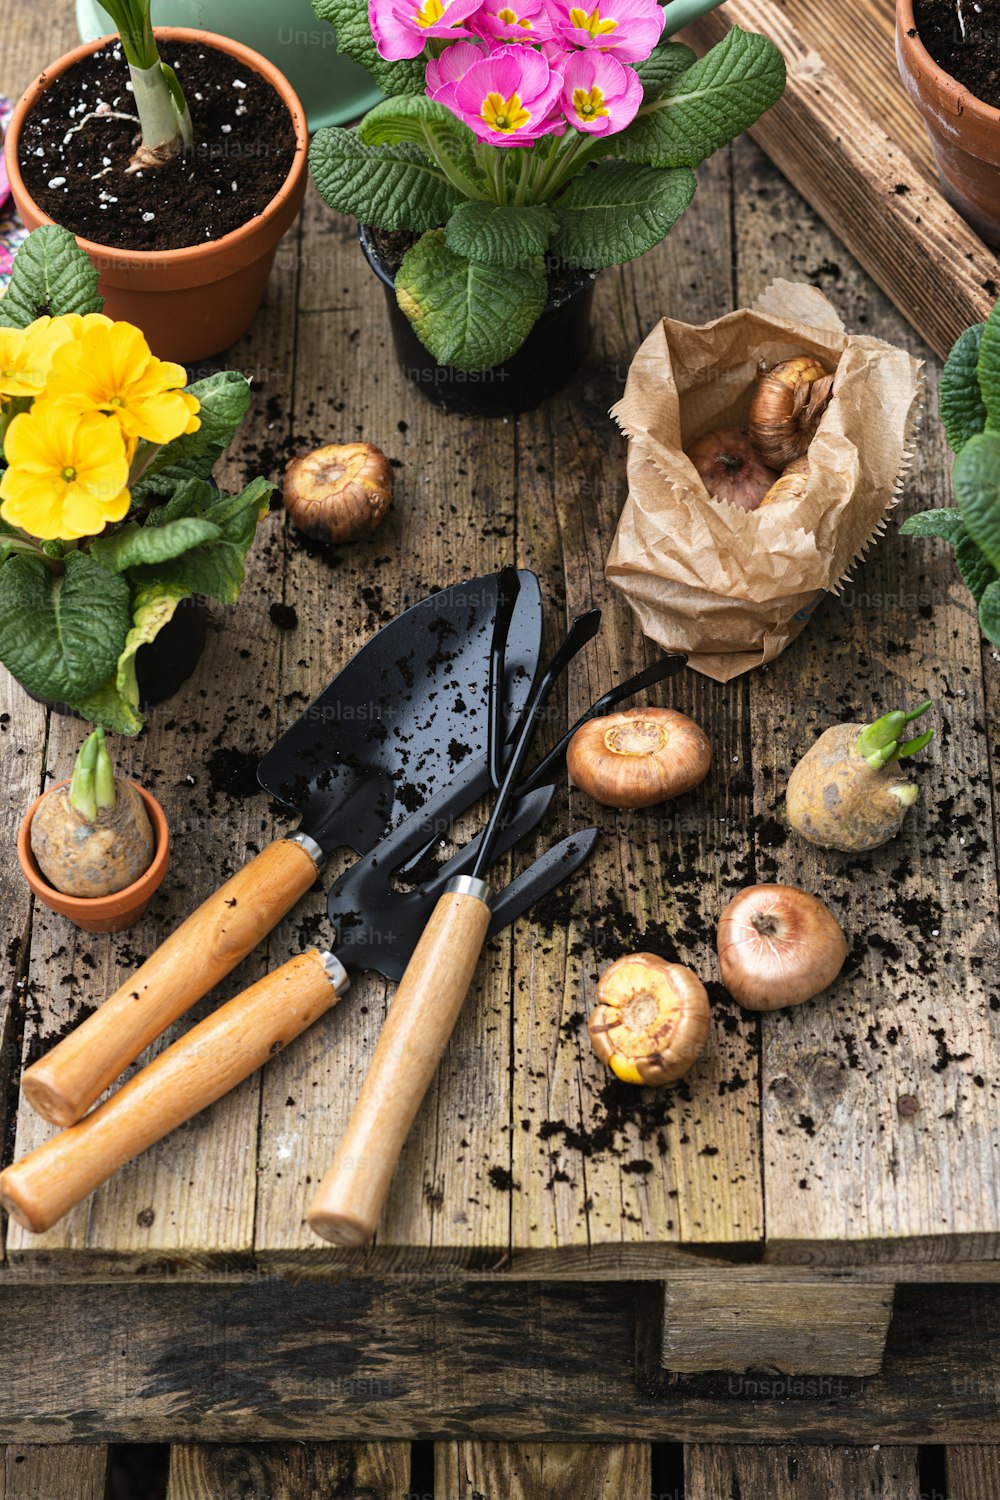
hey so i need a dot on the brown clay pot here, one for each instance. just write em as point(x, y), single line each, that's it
point(194, 302)
point(964, 132)
point(100, 913)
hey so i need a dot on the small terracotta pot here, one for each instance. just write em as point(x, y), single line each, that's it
point(194, 302)
point(100, 913)
point(964, 132)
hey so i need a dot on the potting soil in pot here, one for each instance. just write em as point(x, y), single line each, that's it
point(961, 36)
point(76, 147)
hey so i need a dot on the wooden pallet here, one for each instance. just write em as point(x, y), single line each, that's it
point(472, 1470)
point(847, 137)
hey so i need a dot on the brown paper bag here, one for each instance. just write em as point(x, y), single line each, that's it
point(731, 587)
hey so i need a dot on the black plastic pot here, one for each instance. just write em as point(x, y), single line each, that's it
point(165, 663)
point(549, 357)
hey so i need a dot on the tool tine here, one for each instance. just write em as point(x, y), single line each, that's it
point(542, 876)
point(508, 588)
point(525, 816)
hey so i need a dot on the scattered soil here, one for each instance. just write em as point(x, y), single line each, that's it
point(962, 37)
point(392, 244)
point(75, 167)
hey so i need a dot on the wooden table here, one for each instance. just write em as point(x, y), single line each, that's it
point(813, 1159)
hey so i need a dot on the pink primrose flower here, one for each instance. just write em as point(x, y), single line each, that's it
point(628, 28)
point(401, 27)
point(512, 21)
point(509, 98)
point(599, 96)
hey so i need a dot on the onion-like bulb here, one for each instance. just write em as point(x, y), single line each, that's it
point(791, 485)
point(638, 757)
point(730, 469)
point(651, 1021)
point(338, 493)
point(778, 946)
point(786, 408)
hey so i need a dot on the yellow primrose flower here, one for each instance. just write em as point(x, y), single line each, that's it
point(26, 356)
point(110, 369)
point(68, 473)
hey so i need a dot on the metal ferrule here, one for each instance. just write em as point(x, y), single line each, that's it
point(311, 847)
point(468, 885)
point(335, 971)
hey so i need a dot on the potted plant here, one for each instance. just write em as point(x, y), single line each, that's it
point(332, 88)
point(178, 174)
point(970, 413)
point(108, 516)
point(524, 148)
point(947, 51)
point(95, 849)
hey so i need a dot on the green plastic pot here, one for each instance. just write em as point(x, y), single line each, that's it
point(332, 88)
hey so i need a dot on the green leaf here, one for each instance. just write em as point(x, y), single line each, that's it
point(988, 368)
point(947, 523)
point(961, 403)
point(977, 572)
point(61, 633)
point(51, 275)
point(136, 544)
point(215, 569)
point(349, 19)
point(107, 707)
point(224, 399)
point(389, 187)
point(498, 236)
point(976, 480)
point(706, 105)
point(467, 314)
point(989, 613)
point(661, 67)
point(415, 121)
point(616, 212)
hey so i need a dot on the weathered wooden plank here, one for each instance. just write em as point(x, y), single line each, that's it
point(823, 136)
point(191, 1198)
point(804, 1328)
point(880, 1096)
point(541, 1471)
point(54, 1473)
point(531, 1363)
point(797, 1473)
point(450, 520)
point(33, 36)
point(597, 1162)
point(973, 1471)
point(861, 49)
point(290, 1471)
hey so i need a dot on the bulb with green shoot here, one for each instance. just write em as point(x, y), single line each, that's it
point(92, 837)
point(850, 791)
point(164, 118)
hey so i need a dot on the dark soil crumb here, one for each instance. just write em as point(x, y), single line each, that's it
point(966, 48)
point(284, 616)
point(75, 167)
point(234, 772)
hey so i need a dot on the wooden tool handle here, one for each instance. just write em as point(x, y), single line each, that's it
point(417, 1029)
point(211, 1059)
point(64, 1083)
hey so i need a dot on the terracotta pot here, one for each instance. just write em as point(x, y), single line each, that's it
point(100, 913)
point(964, 132)
point(194, 302)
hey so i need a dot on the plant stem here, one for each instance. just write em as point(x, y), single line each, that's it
point(164, 118)
point(82, 792)
point(104, 775)
point(879, 744)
